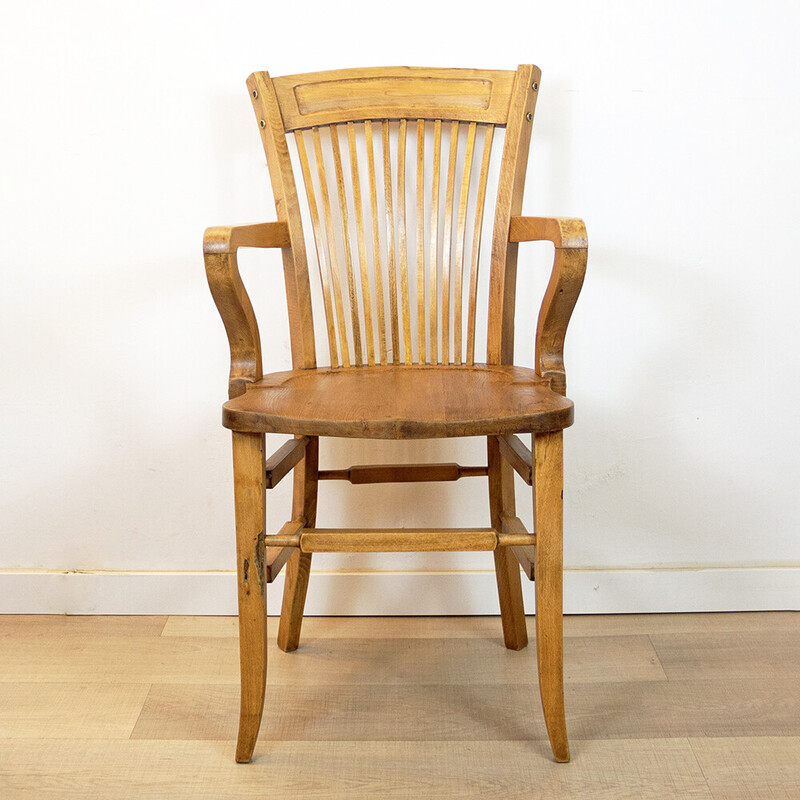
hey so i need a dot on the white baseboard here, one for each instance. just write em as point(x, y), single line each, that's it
point(586, 591)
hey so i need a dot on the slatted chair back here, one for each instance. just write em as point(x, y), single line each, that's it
point(395, 165)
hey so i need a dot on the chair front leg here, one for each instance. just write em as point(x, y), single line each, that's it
point(250, 496)
point(548, 516)
point(506, 566)
point(299, 565)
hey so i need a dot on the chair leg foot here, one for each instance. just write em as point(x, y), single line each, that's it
point(250, 495)
point(548, 514)
point(298, 568)
point(509, 589)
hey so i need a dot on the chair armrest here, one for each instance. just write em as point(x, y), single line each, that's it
point(563, 232)
point(566, 279)
point(230, 239)
point(222, 270)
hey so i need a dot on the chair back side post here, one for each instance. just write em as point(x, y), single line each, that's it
point(287, 206)
point(503, 278)
point(321, 110)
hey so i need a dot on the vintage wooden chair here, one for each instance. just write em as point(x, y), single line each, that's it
point(400, 293)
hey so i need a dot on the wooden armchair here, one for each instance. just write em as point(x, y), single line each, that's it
point(397, 262)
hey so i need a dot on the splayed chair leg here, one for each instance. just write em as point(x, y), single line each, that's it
point(548, 515)
point(250, 495)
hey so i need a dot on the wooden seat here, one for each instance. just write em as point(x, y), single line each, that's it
point(400, 403)
point(398, 166)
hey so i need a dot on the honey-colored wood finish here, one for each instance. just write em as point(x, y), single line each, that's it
point(402, 473)
point(283, 460)
point(400, 403)
point(394, 165)
point(518, 456)
point(304, 507)
point(509, 586)
point(548, 566)
point(250, 492)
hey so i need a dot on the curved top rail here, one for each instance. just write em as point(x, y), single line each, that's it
point(348, 95)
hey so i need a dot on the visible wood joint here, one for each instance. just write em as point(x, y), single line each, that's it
point(518, 455)
point(525, 553)
point(283, 460)
point(516, 539)
point(280, 546)
point(401, 473)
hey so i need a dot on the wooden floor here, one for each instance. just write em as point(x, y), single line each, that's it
point(662, 706)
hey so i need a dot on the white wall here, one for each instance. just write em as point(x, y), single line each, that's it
point(671, 128)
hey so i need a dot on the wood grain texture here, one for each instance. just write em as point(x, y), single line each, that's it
point(304, 507)
point(509, 586)
point(376, 242)
point(344, 218)
point(407, 661)
point(283, 460)
point(396, 540)
point(525, 554)
point(503, 277)
point(241, 326)
point(402, 242)
point(67, 710)
point(250, 496)
point(229, 239)
point(584, 626)
point(447, 244)
point(63, 626)
point(548, 526)
point(728, 655)
point(566, 279)
point(287, 206)
point(366, 697)
point(322, 247)
point(433, 295)
point(366, 303)
point(477, 230)
point(276, 557)
point(461, 233)
point(518, 456)
point(638, 770)
point(390, 239)
point(335, 96)
point(400, 402)
point(402, 473)
point(749, 768)
point(330, 249)
point(420, 237)
point(368, 398)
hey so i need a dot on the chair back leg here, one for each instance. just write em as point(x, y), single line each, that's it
point(306, 476)
point(506, 566)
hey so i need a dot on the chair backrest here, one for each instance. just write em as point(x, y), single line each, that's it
point(398, 263)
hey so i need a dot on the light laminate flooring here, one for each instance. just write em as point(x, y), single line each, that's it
point(658, 706)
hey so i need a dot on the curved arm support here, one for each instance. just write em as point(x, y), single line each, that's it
point(566, 279)
point(222, 270)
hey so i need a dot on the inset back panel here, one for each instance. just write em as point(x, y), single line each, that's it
point(324, 98)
